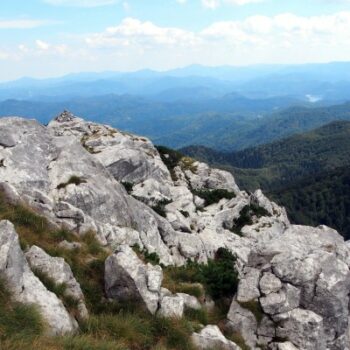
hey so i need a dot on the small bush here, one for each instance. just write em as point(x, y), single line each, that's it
point(246, 217)
point(76, 180)
point(219, 276)
point(213, 196)
point(159, 208)
point(145, 256)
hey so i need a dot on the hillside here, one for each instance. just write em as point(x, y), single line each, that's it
point(277, 164)
point(107, 242)
point(306, 173)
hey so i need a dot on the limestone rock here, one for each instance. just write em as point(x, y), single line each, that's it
point(190, 301)
point(211, 337)
point(248, 288)
point(172, 306)
point(304, 329)
point(27, 288)
point(128, 278)
point(269, 283)
point(59, 271)
point(243, 321)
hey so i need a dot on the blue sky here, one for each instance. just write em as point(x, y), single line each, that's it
point(44, 38)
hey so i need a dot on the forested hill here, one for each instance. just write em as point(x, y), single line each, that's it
point(322, 199)
point(280, 163)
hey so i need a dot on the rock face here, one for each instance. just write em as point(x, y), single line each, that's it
point(294, 280)
point(60, 272)
point(26, 287)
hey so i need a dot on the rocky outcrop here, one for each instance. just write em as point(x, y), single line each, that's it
point(60, 272)
point(300, 281)
point(211, 337)
point(26, 287)
point(294, 280)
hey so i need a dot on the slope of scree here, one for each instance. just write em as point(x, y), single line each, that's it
point(157, 249)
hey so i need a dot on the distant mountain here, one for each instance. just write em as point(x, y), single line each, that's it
point(327, 82)
point(173, 123)
point(275, 165)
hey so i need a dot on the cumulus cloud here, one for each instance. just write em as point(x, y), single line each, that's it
point(282, 38)
point(81, 3)
point(133, 32)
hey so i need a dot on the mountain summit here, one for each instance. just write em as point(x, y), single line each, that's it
point(171, 234)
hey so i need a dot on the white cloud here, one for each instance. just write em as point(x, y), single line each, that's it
point(181, 2)
point(145, 35)
point(42, 45)
point(24, 23)
point(213, 4)
point(135, 44)
point(81, 3)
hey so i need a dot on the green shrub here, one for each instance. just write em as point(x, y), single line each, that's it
point(145, 256)
point(218, 276)
point(246, 217)
point(213, 196)
point(159, 208)
point(170, 157)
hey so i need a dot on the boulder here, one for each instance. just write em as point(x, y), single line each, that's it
point(27, 288)
point(211, 337)
point(172, 306)
point(127, 278)
point(60, 272)
point(190, 301)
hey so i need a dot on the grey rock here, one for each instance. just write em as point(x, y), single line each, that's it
point(244, 322)
point(127, 278)
point(171, 306)
point(211, 337)
point(304, 329)
point(27, 288)
point(248, 288)
point(190, 301)
point(60, 272)
point(269, 283)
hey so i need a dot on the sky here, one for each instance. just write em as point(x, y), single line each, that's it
point(47, 38)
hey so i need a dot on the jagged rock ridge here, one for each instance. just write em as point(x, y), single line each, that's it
point(75, 173)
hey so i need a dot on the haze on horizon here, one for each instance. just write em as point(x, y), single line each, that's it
point(45, 38)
